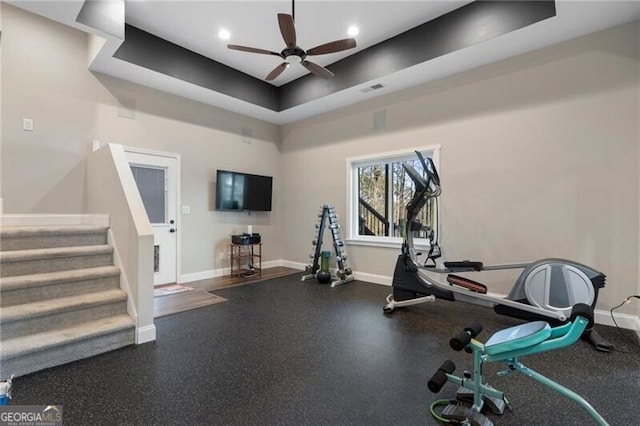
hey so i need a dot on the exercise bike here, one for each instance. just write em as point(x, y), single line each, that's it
point(505, 346)
point(545, 290)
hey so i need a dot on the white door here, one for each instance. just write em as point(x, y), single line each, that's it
point(156, 177)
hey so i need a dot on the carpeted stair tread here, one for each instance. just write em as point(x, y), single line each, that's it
point(13, 348)
point(58, 305)
point(15, 238)
point(54, 253)
point(28, 231)
point(60, 297)
point(51, 278)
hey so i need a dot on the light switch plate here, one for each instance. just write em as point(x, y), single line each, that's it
point(27, 124)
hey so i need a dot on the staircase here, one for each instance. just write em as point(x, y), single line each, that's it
point(60, 297)
point(371, 221)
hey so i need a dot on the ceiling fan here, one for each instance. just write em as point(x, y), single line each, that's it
point(294, 54)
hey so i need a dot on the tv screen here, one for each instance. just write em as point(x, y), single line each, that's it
point(243, 191)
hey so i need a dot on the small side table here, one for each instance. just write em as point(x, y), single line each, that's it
point(245, 259)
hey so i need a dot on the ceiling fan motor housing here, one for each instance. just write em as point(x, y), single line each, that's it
point(294, 55)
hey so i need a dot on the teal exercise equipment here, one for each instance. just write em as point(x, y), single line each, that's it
point(506, 346)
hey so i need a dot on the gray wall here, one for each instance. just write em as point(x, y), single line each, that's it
point(539, 152)
point(539, 158)
point(45, 78)
point(638, 132)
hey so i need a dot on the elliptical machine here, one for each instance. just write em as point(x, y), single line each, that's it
point(546, 289)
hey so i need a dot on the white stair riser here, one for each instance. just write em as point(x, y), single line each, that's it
point(10, 243)
point(38, 266)
point(60, 320)
point(56, 290)
point(63, 354)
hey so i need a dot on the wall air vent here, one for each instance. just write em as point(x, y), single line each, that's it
point(372, 88)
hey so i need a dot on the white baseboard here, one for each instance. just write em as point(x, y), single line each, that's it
point(203, 275)
point(272, 264)
point(373, 278)
point(145, 334)
point(629, 322)
point(54, 219)
point(293, 265)
point(221, 272)
point(361, 276)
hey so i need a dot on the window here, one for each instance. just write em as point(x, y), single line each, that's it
point(152, 187)
point(379, 190)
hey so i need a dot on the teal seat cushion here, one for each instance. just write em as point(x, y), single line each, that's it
point(517, 337)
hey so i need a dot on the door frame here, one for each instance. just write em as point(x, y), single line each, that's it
point(177, 157)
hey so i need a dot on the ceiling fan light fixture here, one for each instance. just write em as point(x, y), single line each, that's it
point(353, 30)
point(224, 34)
point(293, 59)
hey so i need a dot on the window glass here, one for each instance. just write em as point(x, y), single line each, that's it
point(380, 193)
point(151, 184)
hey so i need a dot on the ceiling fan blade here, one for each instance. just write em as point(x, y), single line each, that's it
point(317, 69)
point(251, 49)
point(287, 29)
point(277, 71)
point(332, 47)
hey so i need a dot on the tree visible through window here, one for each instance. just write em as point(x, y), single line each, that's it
point(381, 191)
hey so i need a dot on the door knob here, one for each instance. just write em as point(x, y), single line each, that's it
point(172, 221)
point(172, 230)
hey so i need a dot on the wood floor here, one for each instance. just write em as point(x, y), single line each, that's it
point(200, 296)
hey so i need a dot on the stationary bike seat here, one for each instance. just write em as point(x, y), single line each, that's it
point(517, 337)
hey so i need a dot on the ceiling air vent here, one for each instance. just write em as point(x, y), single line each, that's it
point(372, 88)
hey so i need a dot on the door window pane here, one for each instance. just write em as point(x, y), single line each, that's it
point(151, 184)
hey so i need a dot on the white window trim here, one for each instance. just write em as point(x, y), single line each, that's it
point(352, 190)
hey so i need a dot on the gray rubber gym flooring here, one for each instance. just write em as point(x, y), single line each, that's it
point(286, 352)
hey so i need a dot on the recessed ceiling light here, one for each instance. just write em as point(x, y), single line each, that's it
point(224, 34)
point(353, 30)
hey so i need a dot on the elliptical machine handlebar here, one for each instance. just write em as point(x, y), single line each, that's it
point(425, 188)
point(430, 168)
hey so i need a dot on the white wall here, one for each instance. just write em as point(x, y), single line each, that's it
point(637, 301)
point(207, 139)
point(539, 159)
point(130, 232)
point(539, 152)
point(1, 206)
point(45, 77)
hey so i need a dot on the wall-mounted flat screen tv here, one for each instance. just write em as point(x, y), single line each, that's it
point(243, 191)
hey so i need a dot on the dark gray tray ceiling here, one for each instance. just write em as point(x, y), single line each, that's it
point(471, 24)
